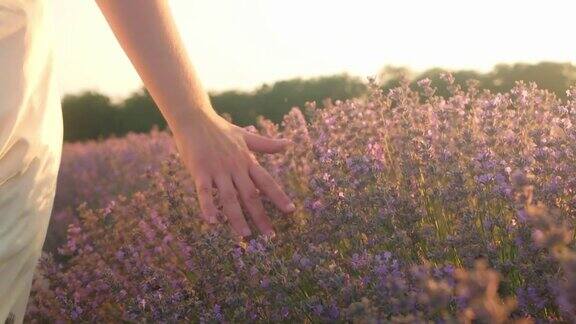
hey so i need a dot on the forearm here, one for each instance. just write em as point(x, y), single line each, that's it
point(147, 33)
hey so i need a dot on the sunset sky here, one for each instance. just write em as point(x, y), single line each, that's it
point(243, 43)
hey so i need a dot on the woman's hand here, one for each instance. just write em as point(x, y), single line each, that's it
point(215, 151)
point(218, 153)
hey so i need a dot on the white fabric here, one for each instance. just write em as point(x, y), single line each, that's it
point(30, 146)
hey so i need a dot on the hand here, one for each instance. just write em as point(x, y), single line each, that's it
point(218, 153)
point(214, 151)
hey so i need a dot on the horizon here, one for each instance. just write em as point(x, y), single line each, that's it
point(413, 73)
point(257, 42)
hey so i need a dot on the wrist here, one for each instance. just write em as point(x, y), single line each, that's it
point(194, 120)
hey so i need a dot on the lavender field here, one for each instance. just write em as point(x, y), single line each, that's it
point(411, 208)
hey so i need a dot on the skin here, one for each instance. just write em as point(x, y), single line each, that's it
point(216, 152)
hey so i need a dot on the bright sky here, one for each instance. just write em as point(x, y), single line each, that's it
point(244, 43)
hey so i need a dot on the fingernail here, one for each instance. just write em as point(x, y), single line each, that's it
point(290, 207)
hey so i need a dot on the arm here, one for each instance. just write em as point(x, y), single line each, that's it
point(215, 152)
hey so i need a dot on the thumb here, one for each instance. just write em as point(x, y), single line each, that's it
point(259, 143)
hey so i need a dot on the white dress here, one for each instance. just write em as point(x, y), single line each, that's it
point(30, 147)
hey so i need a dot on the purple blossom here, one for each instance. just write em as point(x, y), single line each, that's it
point(417, 208)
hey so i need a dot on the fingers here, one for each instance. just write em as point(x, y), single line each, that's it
point(231, 206)
point(251, 199)
point(207, 207)
point(259, 143)
point(266, 183)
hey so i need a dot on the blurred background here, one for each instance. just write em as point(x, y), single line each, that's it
point(261, 57)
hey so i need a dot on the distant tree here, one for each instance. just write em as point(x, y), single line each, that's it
point(88, 115)
point(389, 76)
point(274, 101)
point(91, 115)
point(460, 77)
point(240, 106)
point(139, 113)
point(556, 77)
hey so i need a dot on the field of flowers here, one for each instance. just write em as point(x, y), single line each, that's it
point(411, 208)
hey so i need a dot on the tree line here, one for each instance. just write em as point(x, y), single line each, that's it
point(92, 115)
